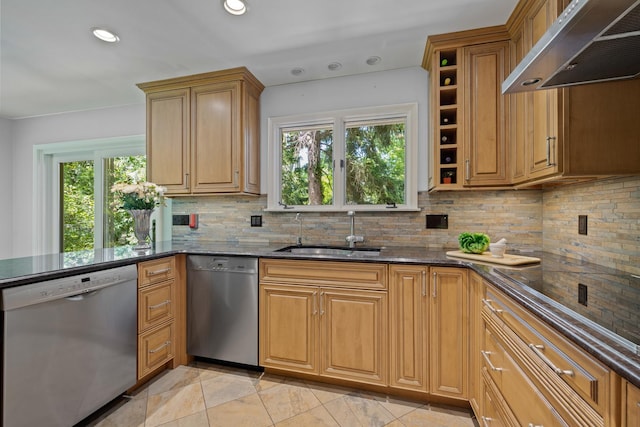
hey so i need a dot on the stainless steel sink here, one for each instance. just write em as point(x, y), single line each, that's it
point(331, 250)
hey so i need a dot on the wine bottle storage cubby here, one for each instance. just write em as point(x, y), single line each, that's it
point(448, 136)
point(448, 157)
point(447, 126)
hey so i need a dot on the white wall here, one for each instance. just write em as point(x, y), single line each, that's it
point(6, 171)
point(363, 90)
point(83, 125)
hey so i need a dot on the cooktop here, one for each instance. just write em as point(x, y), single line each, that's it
point(607, 297)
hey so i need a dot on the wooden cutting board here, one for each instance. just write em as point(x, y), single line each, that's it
point(508, 259)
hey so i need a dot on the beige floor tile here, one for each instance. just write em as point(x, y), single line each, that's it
point(285, 401)
point(395, 405)
point(395, 423)
point(327, 392)
point(341, 412)
point(367, 410)
point(199, 419)
point(174, 378)
point(248, 411)
point(174, 404)
point(430, 418)
point(266, 381)
point(316, 417)
point(225, 388)
point(131, 414)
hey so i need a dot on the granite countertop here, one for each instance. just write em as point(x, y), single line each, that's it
point(607, 327)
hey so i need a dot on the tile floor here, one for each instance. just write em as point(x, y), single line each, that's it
point(207, 395)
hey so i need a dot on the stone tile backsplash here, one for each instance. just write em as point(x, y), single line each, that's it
point(531, 219)
point(514, 215)
point(612, 207)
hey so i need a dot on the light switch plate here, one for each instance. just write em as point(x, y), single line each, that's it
point(438, 221)
point(582, 224)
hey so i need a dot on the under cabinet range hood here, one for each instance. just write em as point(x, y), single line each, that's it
point(591, 41)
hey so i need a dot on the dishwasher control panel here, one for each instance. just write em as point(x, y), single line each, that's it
point(48, 290)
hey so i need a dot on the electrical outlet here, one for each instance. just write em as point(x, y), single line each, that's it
point(256, 220)
point(582, 224)
point(582, 294)
point(180, 219)
point(438, 221)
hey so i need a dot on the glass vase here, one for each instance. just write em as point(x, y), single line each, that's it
point(141, 226)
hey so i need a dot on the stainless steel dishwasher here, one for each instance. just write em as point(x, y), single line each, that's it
point(222, 308)
point(69, 346)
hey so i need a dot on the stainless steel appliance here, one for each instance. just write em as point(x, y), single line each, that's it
point(69, 346)
point(222, 308)
point(591, 41)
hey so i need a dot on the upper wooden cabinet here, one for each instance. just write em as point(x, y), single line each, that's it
point(203, 133)
point(468, 120)
point(575, 132)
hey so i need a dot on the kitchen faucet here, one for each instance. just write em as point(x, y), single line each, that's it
point(352, 238)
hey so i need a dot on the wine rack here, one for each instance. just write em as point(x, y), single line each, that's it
point(447, 127)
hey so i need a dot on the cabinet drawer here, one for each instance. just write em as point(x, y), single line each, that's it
point(324, 273)
point(156, 304)
point(552, 359)
point(526, 401)
point(159, 270)
point(632, 413)
point(155, 348)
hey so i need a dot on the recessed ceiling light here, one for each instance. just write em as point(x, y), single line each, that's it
point(105, 35)
point(297, 71)
point(334, 66)
point(373, 60)
point(235, 7)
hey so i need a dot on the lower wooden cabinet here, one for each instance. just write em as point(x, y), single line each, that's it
point(338, 330)
point(631, 408)
point(157, 311)
point(542, 378)
point(449, 332)
point(429, 330)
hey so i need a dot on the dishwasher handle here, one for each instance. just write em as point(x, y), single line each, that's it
point(80, 297)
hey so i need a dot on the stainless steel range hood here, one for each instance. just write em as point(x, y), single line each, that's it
point(591, 41)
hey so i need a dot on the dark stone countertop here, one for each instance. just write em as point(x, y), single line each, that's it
point(608, 327)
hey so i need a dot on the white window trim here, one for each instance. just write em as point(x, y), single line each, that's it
point(46, 217)
point(337, 119)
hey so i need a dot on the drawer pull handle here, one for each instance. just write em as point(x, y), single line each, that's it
point(536, 349)
point(163, 303)
point(488, 302)
point(486, 354)
point(534, 425)
point(486, 421)
point(435, 285)
point(156, 272)
point(424, 283)
point(321, 303)
point(155, 350)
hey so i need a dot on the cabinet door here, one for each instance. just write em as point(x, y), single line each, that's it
point(633, 406)
point(517, 108)
point(476, 327)
point(353, 335)
point(288, 327)
point(215, 138)
point(408, 327)
point(542, 114)
point(168, 140)
point(449, 332)
point(485, 108)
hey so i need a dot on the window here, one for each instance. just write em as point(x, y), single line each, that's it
point(362, 159)
point(72, 193)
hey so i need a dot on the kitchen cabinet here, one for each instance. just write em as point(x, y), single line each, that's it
point(324, 318)
point(409, 326)
point(161, 315)
point(469, 123)
point(203, 133)
point(571, 133)
point(476, 329)
point(541, 377)
point(449, 332)
point(429, 330)
point(631, 408)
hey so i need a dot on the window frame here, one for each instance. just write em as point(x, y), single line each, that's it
point(339, 120)
point(46, 194)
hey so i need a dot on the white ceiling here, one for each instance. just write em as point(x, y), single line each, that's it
point(50, 62)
